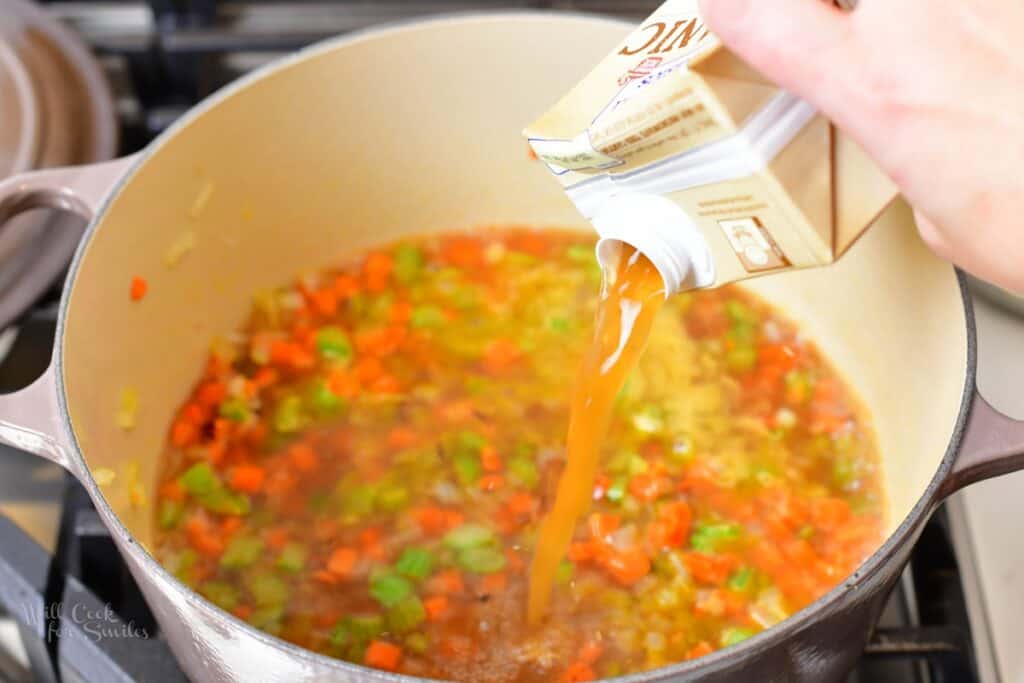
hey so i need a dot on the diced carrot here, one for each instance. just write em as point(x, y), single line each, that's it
point(699, 650)
point(591, 652)
point(402, 437)
point(707, 568)
point(368, 369)
point(381, 341)
point(436, 607)
point(202, 537)
point(581, 551)
point(601, 485)
point(265, 377)
point(386, 384)
point(343, 383)
point(230, 525)
point(491, 482)
point(248, 478)
point(138, 289)
point(401, 312)
point(500, 355)
point(304, 458)
point(829, 514)
point(342, 562)
point(173, 490)
point(346, 286)
point(603, 525)
point(210, 394)
point(327, 617)
point(377, 271)
point(489, 459)
point(383, 655)
point(324, 302)
point(463, 251)
point(279, 482)
point(629, 566)
point(494, 583)
point(242, 611)
point(276, 537)
point(291, 355)
point(530, 154)
point(648, 487)
point(371, 535)
point(326, 576)
point(521, 503)
point(515, 562)
point(184, 433)
point(578, 672)
point(448, 582)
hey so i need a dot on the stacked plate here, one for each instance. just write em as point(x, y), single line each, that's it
point(56, 109)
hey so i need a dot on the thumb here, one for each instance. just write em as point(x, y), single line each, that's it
point(809, 47)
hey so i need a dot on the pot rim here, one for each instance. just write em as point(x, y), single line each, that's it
point(826, 605)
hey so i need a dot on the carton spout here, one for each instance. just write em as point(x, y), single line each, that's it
point(660, 230)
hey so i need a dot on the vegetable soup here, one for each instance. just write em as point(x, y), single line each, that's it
point(363, 471)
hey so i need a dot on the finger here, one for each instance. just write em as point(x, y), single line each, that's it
point(809, 47)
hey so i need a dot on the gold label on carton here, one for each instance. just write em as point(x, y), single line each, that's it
point(754, 247)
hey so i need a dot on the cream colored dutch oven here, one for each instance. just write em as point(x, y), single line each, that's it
point(415, 128)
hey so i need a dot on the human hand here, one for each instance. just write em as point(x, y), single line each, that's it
point(933, 90)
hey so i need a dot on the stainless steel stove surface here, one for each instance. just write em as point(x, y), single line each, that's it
point(72, 611)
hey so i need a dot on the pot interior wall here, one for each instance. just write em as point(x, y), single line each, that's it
point(411, 131)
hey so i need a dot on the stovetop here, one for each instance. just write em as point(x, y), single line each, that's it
point(59, 571)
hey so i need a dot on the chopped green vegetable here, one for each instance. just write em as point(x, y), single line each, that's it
point(323, 400)
point(799, 385)
point(268, 590)
point(637, 465)
point(220, 593)
point(581, 253)
point(170, 513)
point(560, 325)
point(565, 571)
point(390, 589)
point(332, 343)
point(416, 563)
point(427, 316)
point(739, 313)
point(241, 551)
point(617, 491)
point(741, 580)
point(357, 503)
point(708, 538)
point(235, 409)
point(522, 471)
point(225, 502)
point(200, 479)
point(405, 615)
point(292, 558)
point(392, 497)
point(288, 417)
point(741, 358)
point(735, 634)
point(365, 628)
point(417, 643)
point(469, 536)
point(481, 560)
point(467, 467)
point(267, 617)
point(471, 441)
point(408, 263)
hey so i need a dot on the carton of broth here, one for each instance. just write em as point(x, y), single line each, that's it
point(675, 146)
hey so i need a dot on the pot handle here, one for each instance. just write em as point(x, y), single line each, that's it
point(30, 419)
point(992, 445)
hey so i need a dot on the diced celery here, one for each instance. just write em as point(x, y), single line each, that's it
point(560, 325)
point(268, 590)
point(241, 551)
point(734, 635)
point(739, 313)
point(741, 357)
point(323, 400)
point(365, 628)
point(390, 589)
point(182, 564)
point(358, 502)
point(333, 344)
point(392, 497)
point(200, 479)
point(637, 465)
point(288, 417)
point(170, 513)
point(220, 593)
point(469, 536)
point(467, 467)
point(292, 558)
point(481, 560)
point(581, 253)
point(406, 615)
point(565, 571)
point(417, 643)
point(225, 502)
point(416, 563)
point(708, 538)
point(235, 409)
point(742, 579)
point(408, 262)
point(471, 441)
point(341, 634)
point(523, 471)
point(617, 491)
point(427, 317)
point(845, 471)
point(267, 617)
point(799, 384)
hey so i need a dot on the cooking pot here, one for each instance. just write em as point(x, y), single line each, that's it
point(415, 128)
